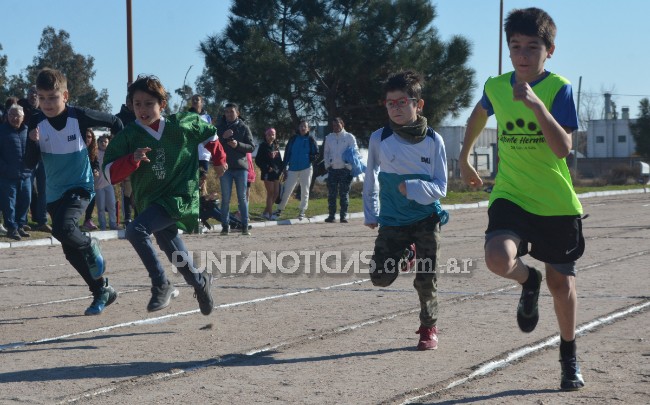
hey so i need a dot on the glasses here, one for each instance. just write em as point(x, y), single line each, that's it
point(399, 102)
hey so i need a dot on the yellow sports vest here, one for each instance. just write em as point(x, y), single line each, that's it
point(529, 173)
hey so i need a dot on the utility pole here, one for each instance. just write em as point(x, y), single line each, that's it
point(129, 43)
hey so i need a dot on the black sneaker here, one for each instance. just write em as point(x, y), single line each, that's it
point(203, 295)
point(161, 296)
point(571, 376)
point(224, 232)
point(344, 221)
point(527, 311)
point(101, 299)
point(329, 219)
point(13, 234)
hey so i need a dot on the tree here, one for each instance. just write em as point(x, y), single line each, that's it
point(641, 129)
point(284, 60)
point(55, 51)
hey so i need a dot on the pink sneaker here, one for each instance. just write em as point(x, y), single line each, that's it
point(90, 225)
point(428, 338)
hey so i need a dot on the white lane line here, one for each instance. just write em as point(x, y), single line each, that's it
point(528, 350)
point(170, 316)
point(71, 299)
point(34, 267)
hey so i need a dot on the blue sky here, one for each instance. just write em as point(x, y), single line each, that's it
point(605, 42)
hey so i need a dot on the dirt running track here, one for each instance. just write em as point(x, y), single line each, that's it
point(325, 339)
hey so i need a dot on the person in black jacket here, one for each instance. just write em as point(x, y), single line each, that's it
point(237, 141)
point(269, 160)
point(15, 177)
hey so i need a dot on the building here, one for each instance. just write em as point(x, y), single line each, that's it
point(484, 149)
point(611, 137)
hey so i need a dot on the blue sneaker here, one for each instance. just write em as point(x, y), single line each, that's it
point(101, 299)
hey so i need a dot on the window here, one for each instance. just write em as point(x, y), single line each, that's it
point(622, 139)
point(600, 139)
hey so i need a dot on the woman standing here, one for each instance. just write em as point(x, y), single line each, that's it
point(269, 160)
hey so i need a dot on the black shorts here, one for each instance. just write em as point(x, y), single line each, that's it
point(553, 240)
point(270, 176)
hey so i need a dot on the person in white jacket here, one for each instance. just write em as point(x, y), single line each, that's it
point(339, 173)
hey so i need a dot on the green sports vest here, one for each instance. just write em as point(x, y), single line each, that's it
point(171, 177)
point(529, 173)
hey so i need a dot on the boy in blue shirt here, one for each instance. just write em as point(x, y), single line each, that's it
point(405, 178)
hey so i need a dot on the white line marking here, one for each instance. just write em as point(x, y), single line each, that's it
point(527, 350)
point(170, 316)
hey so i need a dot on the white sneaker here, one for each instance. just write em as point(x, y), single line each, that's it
point(267, 216)
point(301, 215)
point(3, 230)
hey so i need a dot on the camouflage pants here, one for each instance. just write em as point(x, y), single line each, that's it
point(389, 250)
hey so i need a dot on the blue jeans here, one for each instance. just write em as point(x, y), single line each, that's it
point(15, 195)
point(240, 177)
point(154, 219)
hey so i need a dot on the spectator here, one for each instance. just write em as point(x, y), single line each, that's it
point(127, 116)
point(91, 145)
point(15, 187)
point(104, 191)
point(237, 141)
point(339, 173)
point(269, 160)
point(38, 206)
point(299, 154)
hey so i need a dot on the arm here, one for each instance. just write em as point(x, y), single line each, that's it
point(91, 118)
point(117, 171)
point(371, 184)
point(475, 125)
point(33, 148)
point(32, 154)
point(557, 137)
point(261, 159)
point(326, 154)
point(218, 156)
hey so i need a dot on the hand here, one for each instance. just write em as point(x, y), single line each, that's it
point(283, 177)
point(35, 134)
point(96, 173)
point(469, 174)
point(228, 134)
point(220, 170)
point(371, 226)
point(524, 93)
point(140, 154)
point(402, 188)
point(233, 143)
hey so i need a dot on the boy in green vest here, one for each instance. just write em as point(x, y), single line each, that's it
point(533, 202)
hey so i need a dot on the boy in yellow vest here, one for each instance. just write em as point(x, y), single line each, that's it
point(533, 202)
